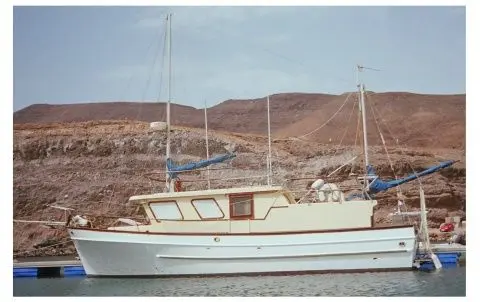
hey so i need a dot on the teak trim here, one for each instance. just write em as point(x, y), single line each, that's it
point(231, 206)
point(364, 229)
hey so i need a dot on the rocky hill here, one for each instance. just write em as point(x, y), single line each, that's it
point(414, 119)
point(68, 155)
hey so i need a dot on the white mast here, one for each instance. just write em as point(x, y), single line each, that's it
point(269, 157)
point(361, 89)
point(169, 23)
point(206, 143)
point(364, 121)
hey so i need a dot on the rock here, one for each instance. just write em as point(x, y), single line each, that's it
point(110, 161)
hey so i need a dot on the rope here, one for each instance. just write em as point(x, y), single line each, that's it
point(236, 178)
point(151, 72)
point(383, 142)
point(356, 137)
point(161, 69)
point(307, 66)
point(344, 134)
point(398, 145)
point(220, 179)
point(123, 94)
point(346, 129)
point(42, 248)
point(403, 153)
point(150, 75)
point(324, 124)
point(398, 188)
point(186, 171)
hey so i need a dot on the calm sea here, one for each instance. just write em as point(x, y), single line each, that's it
point(446, 282)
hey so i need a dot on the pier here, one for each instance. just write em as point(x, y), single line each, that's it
point(58, 268)
point(447, 248)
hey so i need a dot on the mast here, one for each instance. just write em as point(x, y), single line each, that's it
point(361, 89)
point(364, 122)
point(206, 143)
point(269, 156)
point(169, 24)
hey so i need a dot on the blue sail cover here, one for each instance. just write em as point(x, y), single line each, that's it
point(379, 185)
point(172, 168)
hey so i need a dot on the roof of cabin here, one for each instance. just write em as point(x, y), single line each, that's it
point(201, 193)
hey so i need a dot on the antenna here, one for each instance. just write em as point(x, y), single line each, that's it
point(360, 68)
point(365, 67)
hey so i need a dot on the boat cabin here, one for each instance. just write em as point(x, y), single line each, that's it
point(262, 209)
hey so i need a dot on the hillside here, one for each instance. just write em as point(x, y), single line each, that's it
point(68, 155)
point(94, 167)
point(414, 119)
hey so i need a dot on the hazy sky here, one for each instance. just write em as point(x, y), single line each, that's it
point(91, 54)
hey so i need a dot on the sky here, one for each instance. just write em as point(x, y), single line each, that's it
point(68, 55)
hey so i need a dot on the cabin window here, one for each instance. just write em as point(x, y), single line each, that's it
point(166, 210)
point(241, 206)
point(207, 208)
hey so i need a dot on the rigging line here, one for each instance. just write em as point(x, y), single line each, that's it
point(358, 126)
point(356, 137)
point(161, 72)
point(356, 133)
point(162, 65)
point(384, 144)
point(324, 124)
point(346, 128)
point(150, 75)
point(132, 74)
point(299, 63)
point(398, 188)
point(382, 138)
point(398, 145)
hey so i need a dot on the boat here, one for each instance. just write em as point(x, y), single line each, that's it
point(246, 230)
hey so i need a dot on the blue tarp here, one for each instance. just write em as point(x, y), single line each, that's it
point(379, 185)
point(172, 168)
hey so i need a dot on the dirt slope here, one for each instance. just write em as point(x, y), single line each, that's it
point(415, 120)
point(94, 156)
point(95, 166)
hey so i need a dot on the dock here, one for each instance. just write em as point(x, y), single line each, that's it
point(447, 248)
point(449, 255)
point(63, 268)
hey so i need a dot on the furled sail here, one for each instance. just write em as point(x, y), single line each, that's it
point(172, 168)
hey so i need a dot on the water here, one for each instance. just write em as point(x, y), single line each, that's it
point(447, 282)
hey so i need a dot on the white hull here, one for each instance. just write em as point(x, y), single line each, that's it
point(107, 253)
